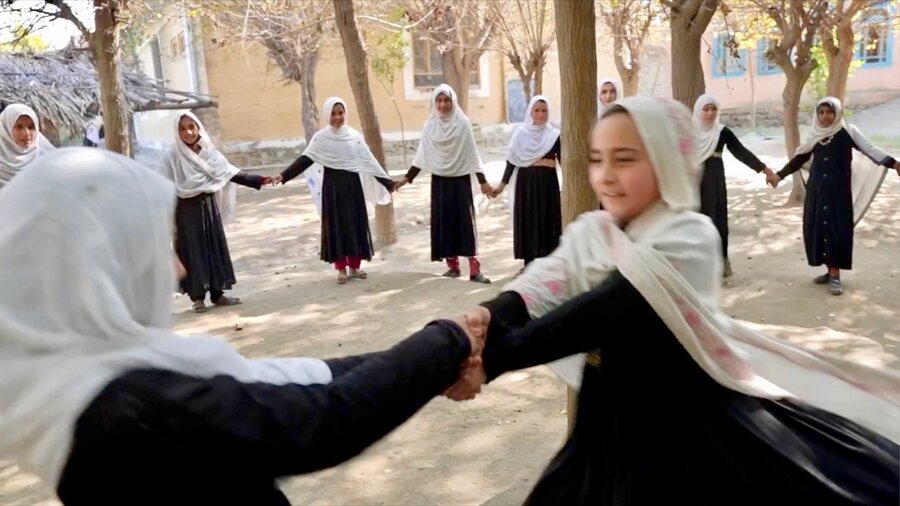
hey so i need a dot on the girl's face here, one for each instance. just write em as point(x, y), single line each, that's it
point(338, 116)
point(539, 113)
point(444, 105)
point(188, 131)
point(825, 115)
point(608, 94)
point(708, 114)
point(619, 168)
point(24, 131)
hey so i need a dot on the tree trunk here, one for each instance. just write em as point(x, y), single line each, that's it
point(357, 73)
point(576, 29)
point(454, 75)
point(539, 75)
point(106, 46)
point(687, 25)
point(630, 80)
point(839, 60)
point(790, 98)
point(310, 114)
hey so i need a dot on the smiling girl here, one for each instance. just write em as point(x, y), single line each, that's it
point(20, 140)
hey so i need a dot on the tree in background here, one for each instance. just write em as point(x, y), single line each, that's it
point(688, 20)
point(525, 31)
point(628, 23)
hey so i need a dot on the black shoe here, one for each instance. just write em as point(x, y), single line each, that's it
point(479, 278)
point(823, 279)
point(835, 286)
point(452, 273)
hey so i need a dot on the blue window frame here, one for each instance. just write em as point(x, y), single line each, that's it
point(765, 66)
point(875, 46)
point(724, 64)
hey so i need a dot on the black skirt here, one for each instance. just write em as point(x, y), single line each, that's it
point(537, 217)
point(201, 246)
point(714, 198)
point(345, 222)
point(452, 217)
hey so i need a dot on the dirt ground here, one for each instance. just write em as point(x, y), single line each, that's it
point(492, 449)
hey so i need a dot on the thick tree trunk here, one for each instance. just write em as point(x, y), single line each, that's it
point(539, 75)
point(576, 32)
point(310, 114)
point(106, 46)
point(357, 73)
point(456, 76)
point(839, 59)
point(793, 90)
point(687, 24)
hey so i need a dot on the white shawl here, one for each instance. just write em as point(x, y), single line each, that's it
point(672, 258)
point(707, 135)
point(204, 172)
point(87, 278)
point(345, 149)
point(601, 107)
point(866, 173)
point(13, 158)
point(448, 145)
point(529, 143)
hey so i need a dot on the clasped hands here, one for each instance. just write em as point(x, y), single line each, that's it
point(472, 375)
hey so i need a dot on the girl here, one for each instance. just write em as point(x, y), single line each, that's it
point(608, 93)
point(531, 169)
point(836, 196)
point(712, 137)
point(206, 200)
point(678, 403)
point(107, 405)
point(21, 141)
point(350, 167)
point(449, 152)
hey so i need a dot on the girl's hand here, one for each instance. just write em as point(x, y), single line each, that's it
point(400, 183)
point(277, 180)
point(487, 190)
point(266, 180)
point(773, 179)
point(498, 190)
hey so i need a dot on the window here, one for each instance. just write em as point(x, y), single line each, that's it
point(428, 68)
point(177, 45)
point(156, 55)
point(765, 65)
point(875, 37)
point(724, 62)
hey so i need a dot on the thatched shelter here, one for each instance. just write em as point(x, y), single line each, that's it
point(61, 85)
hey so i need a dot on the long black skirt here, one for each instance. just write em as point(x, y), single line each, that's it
point(714, 198)
point(452, 218)
point(345, 222)
point(828, 217)
point(201, 246)
point(537, 217)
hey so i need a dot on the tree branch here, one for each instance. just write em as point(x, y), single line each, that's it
point(65, 12)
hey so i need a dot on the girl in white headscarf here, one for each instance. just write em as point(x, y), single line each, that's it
point(534, 151)
point(21, 141)
point(206, 201)
point(712, 138)
point(352, 175)
point(608, 93)
point(103, 401)
point(448, 150)
point(678, 403)
point(839, 189)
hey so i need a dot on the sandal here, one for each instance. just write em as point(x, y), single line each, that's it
point(358, 274)
point(823, 279)
point(452, 273)
point(479, 278)
point(227, 301)
point(199, 306)
point(342, 278)
point(835, 286)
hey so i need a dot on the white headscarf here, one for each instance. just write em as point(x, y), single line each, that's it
point(866, 173)
point(345, 149)
point(204, 172)
point(13, 158)
point(617, 85)
point(529, 143)
point(448, 145)
point(671, 256)
point(707, 135)
point(87, 278)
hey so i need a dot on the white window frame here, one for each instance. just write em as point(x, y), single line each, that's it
point(412, 93)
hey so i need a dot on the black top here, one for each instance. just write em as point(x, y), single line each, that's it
point(832, 149)
point(154, 437)
point(727, 138)
point(414, 171)
point(248, 180)
point(304, 162)
point(553, 154)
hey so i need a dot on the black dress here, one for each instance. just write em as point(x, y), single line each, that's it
point(156, 437)
point(537, 217)
point(828, 209)
point(345, 221)
point(653, 428)
point(453, 232)
point(713, 196)
point(201, 245)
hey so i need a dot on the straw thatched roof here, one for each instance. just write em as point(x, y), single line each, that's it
point(61, 85)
